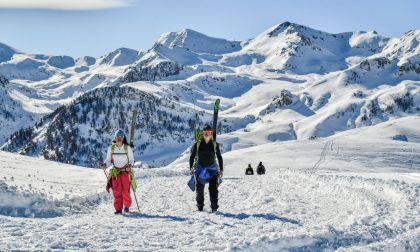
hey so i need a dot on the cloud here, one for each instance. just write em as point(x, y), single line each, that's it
point(64, 4)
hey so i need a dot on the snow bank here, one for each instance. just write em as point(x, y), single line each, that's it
point(15, 203)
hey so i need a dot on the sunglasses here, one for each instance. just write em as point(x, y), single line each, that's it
point(207, 133)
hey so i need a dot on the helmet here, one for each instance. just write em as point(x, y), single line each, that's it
point(120, 133)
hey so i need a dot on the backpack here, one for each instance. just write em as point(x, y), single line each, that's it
point(113, 152)
point(114, 171)
point(199, 137)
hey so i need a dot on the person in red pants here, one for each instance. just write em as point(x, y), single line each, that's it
point(121, 157)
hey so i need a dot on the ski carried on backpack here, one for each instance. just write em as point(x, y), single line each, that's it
point(132, 177)
point(133, 128)
point(197, 131)
point(215, 116)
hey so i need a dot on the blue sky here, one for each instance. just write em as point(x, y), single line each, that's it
point(95, 27)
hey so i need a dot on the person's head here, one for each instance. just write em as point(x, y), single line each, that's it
point(207, 133)
point(119, 136)
point(249, 165)
point(260, 163)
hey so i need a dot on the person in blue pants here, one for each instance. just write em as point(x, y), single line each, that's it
point(206, 169)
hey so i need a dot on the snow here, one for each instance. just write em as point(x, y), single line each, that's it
point(39, 83)
point(333, 117)
point(61, 61)
point(345, 192)
point(198, 42)
point(224, 85)
point(120, 57)
point(339, 81)
point(6, 52)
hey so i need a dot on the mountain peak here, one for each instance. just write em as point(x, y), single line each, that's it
point(7, 47)
point(197, 42)
point(6, 52)
point(190, 32)
point(120, 57)
point(289, 26)
point(172, 39)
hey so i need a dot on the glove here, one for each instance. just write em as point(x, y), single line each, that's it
point(108, 186)
point(221, 174)
point(102, 165)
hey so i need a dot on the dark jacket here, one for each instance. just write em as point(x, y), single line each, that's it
point(249, 171)
point(206, 154)
point(261, 169)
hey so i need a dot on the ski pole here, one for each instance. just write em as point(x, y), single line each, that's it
point(106, 174)
point(134, 192)
point(102, 166)
point(135, 197)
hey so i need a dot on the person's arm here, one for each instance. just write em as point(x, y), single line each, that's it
point(108, 158)
point(219, 157)
point(131, 156)
point(192, 157)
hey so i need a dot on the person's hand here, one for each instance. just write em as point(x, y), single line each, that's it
point(191, 172)
point(221, 174)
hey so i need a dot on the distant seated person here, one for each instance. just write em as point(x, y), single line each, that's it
point(260, 169)
point(249, 170)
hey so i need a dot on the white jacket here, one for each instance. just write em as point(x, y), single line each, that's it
point(120, 158)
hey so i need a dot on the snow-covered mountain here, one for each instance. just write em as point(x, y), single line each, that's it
point(80, 131)
point(181, 54)
point(290, 82)
point(39, 84)
point(12, 114)
point(334, 118)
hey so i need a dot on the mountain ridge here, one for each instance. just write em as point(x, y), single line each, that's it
point(289, 82)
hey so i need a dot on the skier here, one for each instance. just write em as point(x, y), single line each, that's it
point(121, 156)
point(204, 166)
point(260, 169)
point(249, 170)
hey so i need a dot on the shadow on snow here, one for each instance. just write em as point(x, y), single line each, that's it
point(271, 217)
point(154, 216)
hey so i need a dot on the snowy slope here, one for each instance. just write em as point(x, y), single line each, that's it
point(179, 55)
point(346, 192)
point(39, 84)
point(290, 82)
point(334, 117)
point(81, 132)
point(304, 50)
point(12, 115)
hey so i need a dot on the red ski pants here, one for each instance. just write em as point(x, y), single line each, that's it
point(121, 190)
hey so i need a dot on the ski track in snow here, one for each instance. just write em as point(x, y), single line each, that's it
point(283, 210)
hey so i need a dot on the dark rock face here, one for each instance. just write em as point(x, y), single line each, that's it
point(379, 63)
point(409, 67)
point(143, 71)
point(286, 98)
point(3, 81)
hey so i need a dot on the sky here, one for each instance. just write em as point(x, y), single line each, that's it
point(96, 27)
